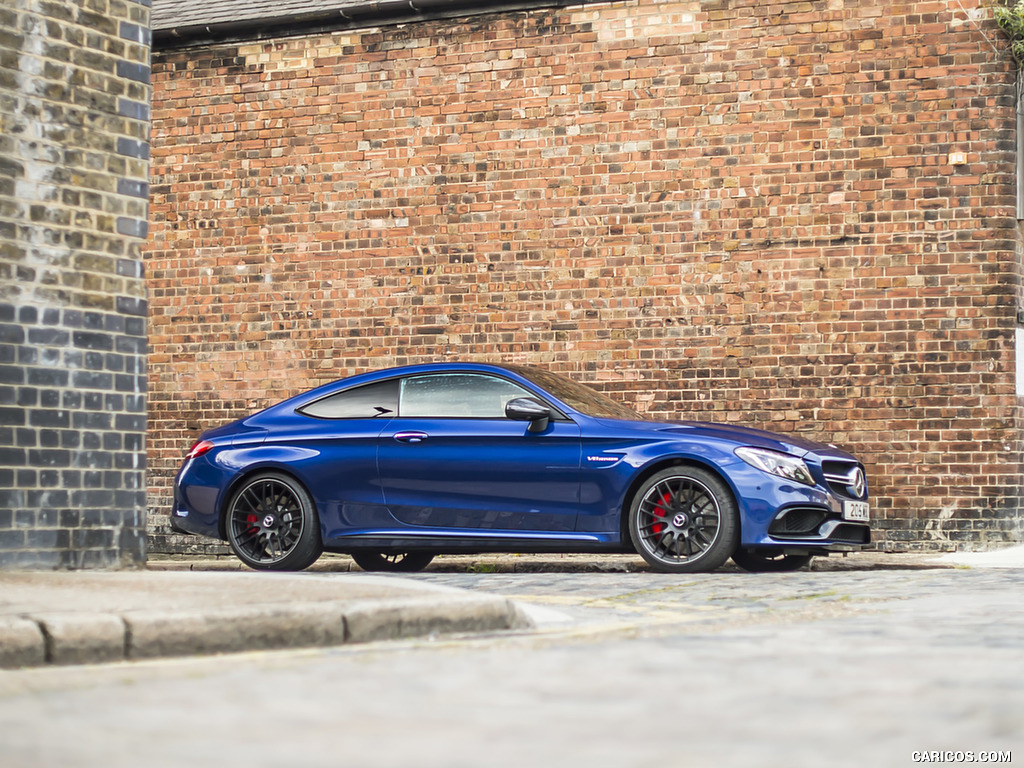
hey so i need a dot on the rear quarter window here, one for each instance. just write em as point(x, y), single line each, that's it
point(371, 401)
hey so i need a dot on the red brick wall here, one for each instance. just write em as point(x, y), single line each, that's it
point(734, 211)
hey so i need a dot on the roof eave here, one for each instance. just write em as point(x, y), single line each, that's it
point(369, 14)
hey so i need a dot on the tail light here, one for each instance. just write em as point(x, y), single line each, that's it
point(203, 446)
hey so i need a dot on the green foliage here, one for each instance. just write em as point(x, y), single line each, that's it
point(1010, 19)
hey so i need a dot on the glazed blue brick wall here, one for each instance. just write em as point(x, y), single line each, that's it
point(74, 189)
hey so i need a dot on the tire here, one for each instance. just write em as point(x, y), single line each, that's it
point(272, 525)
point(400, 562)
point(756, 562)
point(684, 520)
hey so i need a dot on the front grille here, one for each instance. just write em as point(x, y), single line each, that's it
point(840, 476)
point(798, 521)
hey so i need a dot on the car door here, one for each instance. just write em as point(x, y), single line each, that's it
point(452, 459)
point(342, 432)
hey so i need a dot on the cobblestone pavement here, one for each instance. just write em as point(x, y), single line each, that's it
point(837, 668)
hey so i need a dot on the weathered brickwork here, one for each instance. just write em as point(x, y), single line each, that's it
point(74, 171)
point(721, 209)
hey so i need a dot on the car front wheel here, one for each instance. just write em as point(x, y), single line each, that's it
point(400, 562)
point(684, 520)
point(272, 524)
point(758, 562)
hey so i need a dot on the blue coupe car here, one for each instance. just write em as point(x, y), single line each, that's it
point(396, 466)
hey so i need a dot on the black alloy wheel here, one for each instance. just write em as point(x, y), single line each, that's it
point(272, 525)
point(397, 562)
point(758, 562)
point(684, 520)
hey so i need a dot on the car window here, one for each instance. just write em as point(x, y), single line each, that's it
point(367, 402)
point(457, 395)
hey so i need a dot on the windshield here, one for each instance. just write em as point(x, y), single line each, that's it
point(587, 401)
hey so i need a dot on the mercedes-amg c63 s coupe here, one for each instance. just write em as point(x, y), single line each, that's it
point(396, 466)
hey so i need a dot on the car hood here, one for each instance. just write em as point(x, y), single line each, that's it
point(758, 438)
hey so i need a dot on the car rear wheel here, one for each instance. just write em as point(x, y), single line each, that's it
point(757, 562)
point(684, 520)
point(272, 525)
point(400, 562)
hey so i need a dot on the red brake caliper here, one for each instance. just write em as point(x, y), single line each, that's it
point(660, 511)
point(251, 520)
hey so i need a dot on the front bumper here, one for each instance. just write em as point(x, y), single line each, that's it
point(802, 530)
point(784, 516)
point(818, 525)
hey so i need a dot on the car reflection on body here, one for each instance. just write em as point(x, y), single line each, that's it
point(396, 466)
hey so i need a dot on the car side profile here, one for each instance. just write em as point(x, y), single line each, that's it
point(396, 466)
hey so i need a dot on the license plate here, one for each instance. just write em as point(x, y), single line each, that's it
point(856, 510)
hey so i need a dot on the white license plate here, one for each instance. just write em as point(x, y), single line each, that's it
point(856, 510)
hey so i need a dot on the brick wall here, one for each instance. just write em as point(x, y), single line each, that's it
point(734, 211)
point(74, 163)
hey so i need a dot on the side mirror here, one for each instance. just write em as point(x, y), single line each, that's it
point(528, 409)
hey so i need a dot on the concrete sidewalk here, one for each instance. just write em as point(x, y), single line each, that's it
point(1008, 557)
point(191, 606)
point(77, 617)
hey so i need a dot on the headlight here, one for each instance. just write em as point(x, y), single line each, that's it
point(775, 463)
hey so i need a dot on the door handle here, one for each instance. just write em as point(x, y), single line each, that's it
point(411, 437)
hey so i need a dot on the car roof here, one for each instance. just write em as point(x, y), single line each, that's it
point(396, 372)
point(460, 367)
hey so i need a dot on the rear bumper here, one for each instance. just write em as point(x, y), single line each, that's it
point(196, 491)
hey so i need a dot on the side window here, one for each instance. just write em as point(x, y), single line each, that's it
point(369, 402)
point(458, 395)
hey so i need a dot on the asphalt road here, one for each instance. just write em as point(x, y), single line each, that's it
point(834, 668)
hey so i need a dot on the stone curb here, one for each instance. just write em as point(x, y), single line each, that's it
point(82, 638)
point(73, 638)
point(22, 643)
